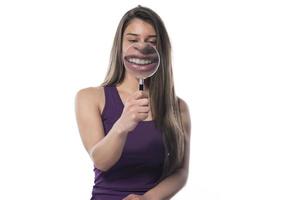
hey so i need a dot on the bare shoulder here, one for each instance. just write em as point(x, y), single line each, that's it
point(87, 116)
point(185, 115)
point(91, 95)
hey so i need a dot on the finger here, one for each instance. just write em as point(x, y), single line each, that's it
point(144, 109)
point(139, 102)
point(139, 116)
point(145, 94)
point(142, 116)
point(143, 102)
point(134, 96)
point(140, 94)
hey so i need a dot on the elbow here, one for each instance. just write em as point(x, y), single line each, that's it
point(101, 167)
point(185, 176)
point(185, 180)
point(99, 164)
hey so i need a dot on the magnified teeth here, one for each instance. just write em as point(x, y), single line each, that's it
point(139, 61)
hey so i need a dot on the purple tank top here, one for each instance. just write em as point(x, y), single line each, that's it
point(141, 163)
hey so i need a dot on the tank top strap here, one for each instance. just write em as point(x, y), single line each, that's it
point(113, 107)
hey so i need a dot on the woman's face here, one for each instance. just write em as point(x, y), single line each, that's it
point(138, 31)
point(139, 49)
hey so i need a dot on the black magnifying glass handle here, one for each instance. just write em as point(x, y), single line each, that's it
point(141, 84)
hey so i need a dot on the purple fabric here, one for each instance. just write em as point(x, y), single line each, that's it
point(141, 162)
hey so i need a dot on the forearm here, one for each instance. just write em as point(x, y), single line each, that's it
point(168, 187)
point(109, 149)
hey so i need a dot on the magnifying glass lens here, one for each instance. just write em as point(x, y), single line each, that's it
point(142, 60)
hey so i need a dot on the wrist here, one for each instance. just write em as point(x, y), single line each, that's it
point(120, 131)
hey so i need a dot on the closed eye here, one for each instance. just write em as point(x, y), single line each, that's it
point(132, 40)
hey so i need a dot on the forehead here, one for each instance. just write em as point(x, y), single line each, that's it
point(140, 27)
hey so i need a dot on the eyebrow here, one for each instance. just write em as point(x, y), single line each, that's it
point(134, 34)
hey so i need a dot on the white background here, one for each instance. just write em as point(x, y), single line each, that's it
point(236, 64)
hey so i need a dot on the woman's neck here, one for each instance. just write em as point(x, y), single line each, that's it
point(130, 84)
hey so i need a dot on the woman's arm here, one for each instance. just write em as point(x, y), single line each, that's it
point(172, 184)
point(104, 151)
point(168, 187)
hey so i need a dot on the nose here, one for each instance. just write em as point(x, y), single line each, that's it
point(145, 49)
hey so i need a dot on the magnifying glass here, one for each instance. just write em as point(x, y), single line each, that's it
point(141, 59)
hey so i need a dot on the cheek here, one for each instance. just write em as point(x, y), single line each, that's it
point(125, 45)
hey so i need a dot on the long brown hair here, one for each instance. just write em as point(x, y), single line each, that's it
point(163, 100)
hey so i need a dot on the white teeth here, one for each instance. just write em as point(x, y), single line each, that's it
point(139, 61)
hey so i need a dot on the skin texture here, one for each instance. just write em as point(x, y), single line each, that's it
point(139, 31)
point(106, 151)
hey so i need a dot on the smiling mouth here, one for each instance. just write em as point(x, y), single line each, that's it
point(138, 60)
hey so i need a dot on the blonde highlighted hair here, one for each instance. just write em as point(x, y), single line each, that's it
point(165, 106)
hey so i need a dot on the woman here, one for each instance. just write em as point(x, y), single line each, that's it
point(138, 140)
